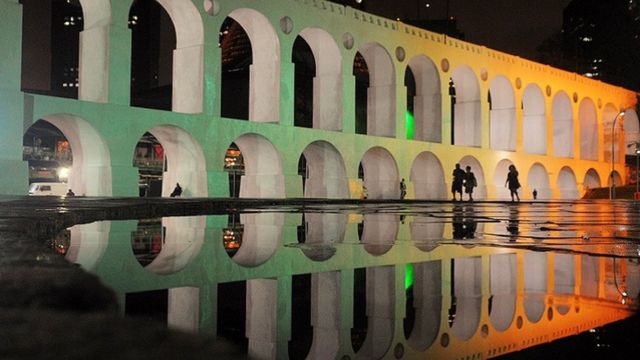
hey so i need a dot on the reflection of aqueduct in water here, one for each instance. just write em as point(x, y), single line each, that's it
point(429, 298)
point(458, 102)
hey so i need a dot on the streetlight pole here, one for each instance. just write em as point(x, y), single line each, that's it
point(612, 186)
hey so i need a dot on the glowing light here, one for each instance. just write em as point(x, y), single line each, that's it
point(408, 276)
point(63, 173)
point(409, 124)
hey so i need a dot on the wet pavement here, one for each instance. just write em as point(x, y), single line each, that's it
point(39, 289)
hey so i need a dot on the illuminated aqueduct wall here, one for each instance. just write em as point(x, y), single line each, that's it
point(555, 126)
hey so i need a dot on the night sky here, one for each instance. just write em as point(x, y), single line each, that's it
point(514, 26)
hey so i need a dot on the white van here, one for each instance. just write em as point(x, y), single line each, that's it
point(48, 188)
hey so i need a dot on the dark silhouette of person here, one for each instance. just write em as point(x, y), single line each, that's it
point(512, 182)
point(70, 193)
point(177, 191)
point(469, 183)
point(456, 184)
point(403, 189)
point(535, 194)
point(470, 222)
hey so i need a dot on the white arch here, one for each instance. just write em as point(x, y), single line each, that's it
point(427, 301)
point(327, 84)
point(264, 72)
point(615, 175)
point(563, 280)
point(88, 243)
point(535, 284)
point(379, 232)
point(503, 290)
point(609, 113)
point(589, 276)
point(502, 117)
point(562, 125)
point(182, 240)
point(325, 315)
point(380, 174)
point(467, 125)
point(426, 232)
point(427, 176)
point(263, 176)
point(631, 130)
point(93, 57)
point(326, 172)
point(538, 179)
point(567, 184)
point(588, 130)
point(380, 315)
point(185, 161)
point(591, 180)
point(260, 239)
point(479, 192)
point(91, 169)
point(188, 56)
point(381, 94)
point(499, 178)
point(534, 131)
point(427, 103)
point(467, 275)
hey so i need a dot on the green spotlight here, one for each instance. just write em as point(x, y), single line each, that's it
point(408, 276)
point(409, 124)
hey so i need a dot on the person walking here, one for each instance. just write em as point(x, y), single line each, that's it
point(458, 179)
point(469, 183)
point(512, 182)
point(403, 189)
point(177, 191)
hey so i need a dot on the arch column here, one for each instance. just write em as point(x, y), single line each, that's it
point(119, 54)
point(11, 100)
point(93, 62)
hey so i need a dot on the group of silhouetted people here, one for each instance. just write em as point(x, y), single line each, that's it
point(463, 179)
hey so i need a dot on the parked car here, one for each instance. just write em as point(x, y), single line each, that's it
point(47, 188)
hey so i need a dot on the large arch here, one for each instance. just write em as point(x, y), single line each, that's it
point(535, 284)
point(479, 192)
point(499, 179)
point(380, 174)
point(91, 168)
point(503, 284)
point(379, 232)
point(589, 276)
point(567, 184)
point(427, 300)
point(538, 179)
point(380, 300)
point(327, 84)
point(467, 125)
point(427, 103)
point(588, 130)
point(183, 237)
point(534, 124)
point(93, 64)
point(326, 175)
point(185, 161)
point(427, 176)
point(591, 180)
point(260, 238)
point(381, 94)
point(264, 72)
point(612, 139)
point(467, 279)
point(563, 280)
point(263, 177)
point(562, 125)
point(502, 114)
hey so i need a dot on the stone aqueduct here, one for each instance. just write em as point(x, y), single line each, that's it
point(555, 126)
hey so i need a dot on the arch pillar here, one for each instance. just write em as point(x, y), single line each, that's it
point(93, 62)
point(119, 54)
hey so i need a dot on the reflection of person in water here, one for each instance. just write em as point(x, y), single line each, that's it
point(458, 226)
point(464, 222)
point(513, 224)
point(470, 223)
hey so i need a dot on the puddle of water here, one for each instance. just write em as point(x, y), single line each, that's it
point(462, 280)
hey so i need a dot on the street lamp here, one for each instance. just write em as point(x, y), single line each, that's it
point(612, 186)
